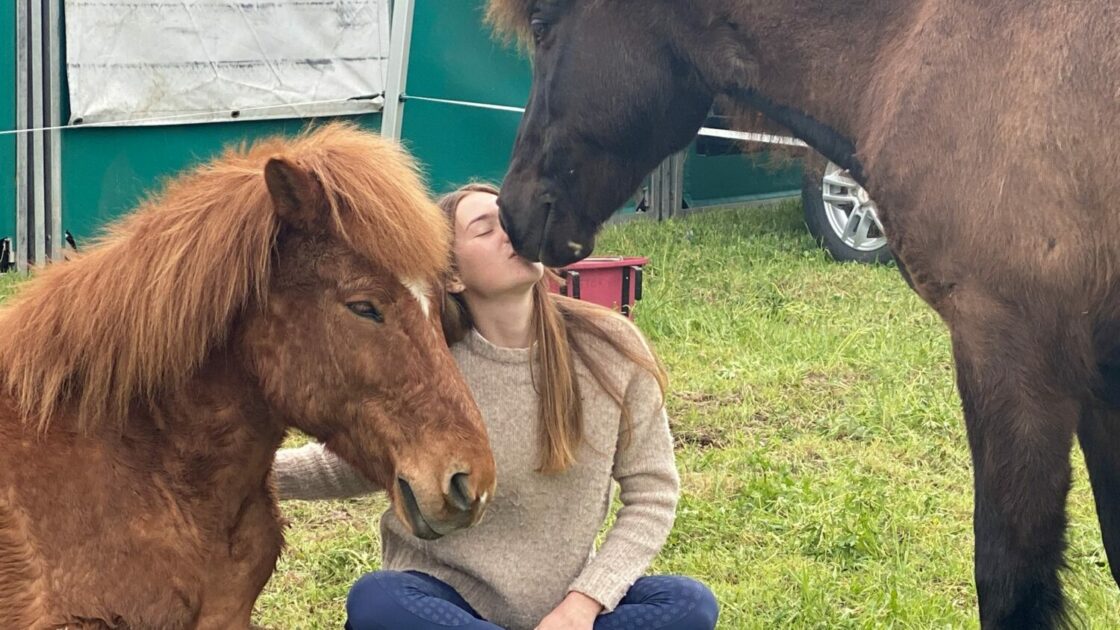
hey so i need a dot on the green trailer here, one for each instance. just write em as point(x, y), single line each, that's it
point(453, 97)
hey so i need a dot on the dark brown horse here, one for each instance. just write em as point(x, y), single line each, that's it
point(987, 133)
point(148, 383)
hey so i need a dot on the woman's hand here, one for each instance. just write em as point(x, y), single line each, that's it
point(576, 612)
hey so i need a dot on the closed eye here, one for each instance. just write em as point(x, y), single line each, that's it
point(366, 310)
point(539, 28)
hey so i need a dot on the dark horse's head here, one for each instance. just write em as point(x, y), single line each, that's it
point(611, 98)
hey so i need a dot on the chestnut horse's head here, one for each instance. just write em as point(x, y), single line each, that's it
point(347, 344)
point(611, 98)
point(324, 259)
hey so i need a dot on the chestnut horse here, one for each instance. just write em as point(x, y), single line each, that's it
point(148, 383)
point(987, 133)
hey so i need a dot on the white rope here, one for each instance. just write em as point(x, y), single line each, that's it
point(445, 101)
point(202, 115)
point(704, 131)
point(767, 138)
point(712, 132)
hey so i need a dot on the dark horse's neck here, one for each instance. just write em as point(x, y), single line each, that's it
point(805, 64)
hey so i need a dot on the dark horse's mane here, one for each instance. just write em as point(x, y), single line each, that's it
point(138, 312)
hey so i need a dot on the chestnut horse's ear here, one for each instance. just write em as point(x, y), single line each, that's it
point(296, 193)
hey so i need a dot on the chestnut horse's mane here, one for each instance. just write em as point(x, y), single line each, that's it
point(138, 312)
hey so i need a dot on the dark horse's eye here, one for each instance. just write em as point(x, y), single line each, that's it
point(366, 310)
point(540, 28)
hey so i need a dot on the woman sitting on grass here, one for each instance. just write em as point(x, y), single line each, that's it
point(573, 399)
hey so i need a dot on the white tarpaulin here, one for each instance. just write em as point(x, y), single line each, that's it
point(173, 61)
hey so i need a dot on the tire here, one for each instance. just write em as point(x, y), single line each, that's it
point(824, 219)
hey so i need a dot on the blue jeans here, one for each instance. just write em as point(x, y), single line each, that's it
point(393, 600)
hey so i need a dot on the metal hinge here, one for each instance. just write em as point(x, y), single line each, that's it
point(7, 260)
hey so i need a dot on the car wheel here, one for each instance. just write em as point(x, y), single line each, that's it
point(842, 217)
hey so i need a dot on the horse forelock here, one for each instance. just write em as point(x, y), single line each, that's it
point(137, 313)
point(510, 19)
point(377, 202)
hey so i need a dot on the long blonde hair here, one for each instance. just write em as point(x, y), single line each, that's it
point(561, 327)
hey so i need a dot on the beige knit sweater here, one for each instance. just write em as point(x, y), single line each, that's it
point(536, 541)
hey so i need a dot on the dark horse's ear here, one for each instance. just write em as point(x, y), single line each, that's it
point(296, 193)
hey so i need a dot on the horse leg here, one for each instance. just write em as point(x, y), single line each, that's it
point(1020, 423)
point(1099, 435)
point(238, 576)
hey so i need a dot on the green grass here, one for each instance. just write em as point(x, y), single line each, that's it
point(826, 477)
point(8, 282)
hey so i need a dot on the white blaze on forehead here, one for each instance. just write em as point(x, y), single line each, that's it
point(420, 292)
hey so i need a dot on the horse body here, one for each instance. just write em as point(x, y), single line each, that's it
point(146, 388)
point(986, 134)
point(170, 523)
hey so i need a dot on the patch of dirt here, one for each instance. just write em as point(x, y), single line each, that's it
point(708, 436)
point(704, 399)
point(700, 437)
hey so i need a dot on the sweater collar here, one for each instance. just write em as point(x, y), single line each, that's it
point(477, 344)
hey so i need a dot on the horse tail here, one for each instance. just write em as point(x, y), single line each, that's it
point(22, 584)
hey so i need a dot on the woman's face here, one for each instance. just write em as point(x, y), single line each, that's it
point(488, 266)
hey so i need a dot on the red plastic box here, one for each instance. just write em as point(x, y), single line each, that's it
point(614, 282)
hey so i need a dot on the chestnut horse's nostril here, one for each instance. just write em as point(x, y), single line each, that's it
point(420, 526)
point(459, 492)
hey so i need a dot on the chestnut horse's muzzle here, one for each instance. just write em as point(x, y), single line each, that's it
point(461, 505)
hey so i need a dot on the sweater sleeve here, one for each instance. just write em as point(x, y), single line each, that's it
point(312, 472)
point(646, 472)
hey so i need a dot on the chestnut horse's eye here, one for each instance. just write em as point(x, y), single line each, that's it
point(540, 29)
point(366, 310)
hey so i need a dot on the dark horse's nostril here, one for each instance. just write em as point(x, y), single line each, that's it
point(460, 493)
point(504, 222)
